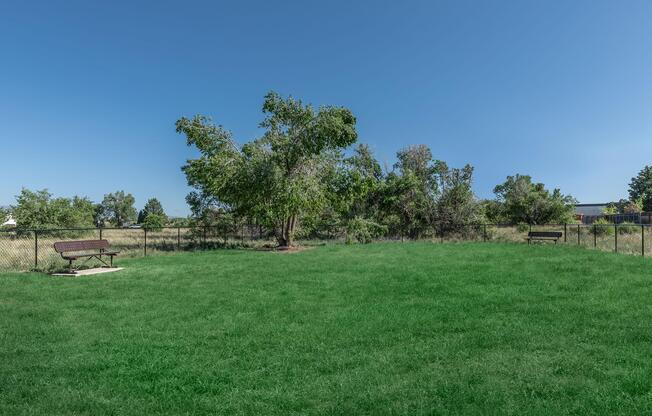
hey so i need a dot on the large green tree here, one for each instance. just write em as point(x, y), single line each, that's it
point(423, 193)
point(39, 210)
point(405, 208)
point(117, 209)
point(640, 188)
point(278, 178)
point(410, 192)
point(519, 200)
point(152, 207)
point(457, 206)
point(356, 184)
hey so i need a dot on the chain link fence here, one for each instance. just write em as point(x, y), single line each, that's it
point(34, 249)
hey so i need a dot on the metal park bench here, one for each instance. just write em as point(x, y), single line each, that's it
point(88, 249)
point(543, 236)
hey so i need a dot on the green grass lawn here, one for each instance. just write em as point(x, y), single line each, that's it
point(410, 328)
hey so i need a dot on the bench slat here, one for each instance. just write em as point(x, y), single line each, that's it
point(544, 234)
point(80, 245)
point(83, 255)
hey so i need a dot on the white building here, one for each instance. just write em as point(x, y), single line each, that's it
point(590, 210)
point(9, 223)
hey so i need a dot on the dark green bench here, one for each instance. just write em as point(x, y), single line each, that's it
point(543, 236)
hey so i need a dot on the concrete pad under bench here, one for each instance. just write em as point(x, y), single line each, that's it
point(90, 272)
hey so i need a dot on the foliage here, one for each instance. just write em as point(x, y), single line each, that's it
point(521, 200)
point(355, 183)
point(410, 211)
point(179, 221)
point(409, 193)
point(633, 206)
point(640, 188)
point(602, 226)
point(624, 206)
point(492, 211)
point(39, 210)
point(294, 180)
point(422, 193)
point(153, 206)
point(628, 228)
point(364, 231)
point(522, 227)
point(276, 179)
point(117, 209)
point(5, 213)
point(456, 205)
point(610, 209)
point(154, 221)
point(205, 209)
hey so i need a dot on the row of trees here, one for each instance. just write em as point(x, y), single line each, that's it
point(299, 179)
point(296, 179)
point(40, 210)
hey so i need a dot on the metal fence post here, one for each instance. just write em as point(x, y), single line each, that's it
point(595, 236)
point(100, 233)
point(484, 232)
point(178, 238)
point(204, 243)
point(565, 232)
point(35, 249)
point(616, 238)
point(578, 234)
point(145, 229)
point(642, 240)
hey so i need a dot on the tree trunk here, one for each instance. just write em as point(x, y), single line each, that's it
point(293, 222)
point(287, 231)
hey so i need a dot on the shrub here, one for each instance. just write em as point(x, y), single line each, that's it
point(628, 228)
point(154, 222)
point(522, 227)
point(363, 230)
point(602, 226)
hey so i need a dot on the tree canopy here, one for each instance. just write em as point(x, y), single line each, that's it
point(152, 207)
point(519, 200)
point(640, 188)
point(277, 178)
point(40, 210)
point(117, 209)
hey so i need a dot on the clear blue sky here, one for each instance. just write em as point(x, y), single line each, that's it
point(560, 90)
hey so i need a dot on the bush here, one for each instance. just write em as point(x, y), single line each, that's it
point(628, 228)
point(602, 226)
point(363, 230)
point(154, 222)
point(522, 227)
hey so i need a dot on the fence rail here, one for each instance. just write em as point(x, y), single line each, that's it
point(33, 249)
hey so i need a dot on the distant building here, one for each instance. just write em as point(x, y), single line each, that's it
point(589, 213)
point(590, 210)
